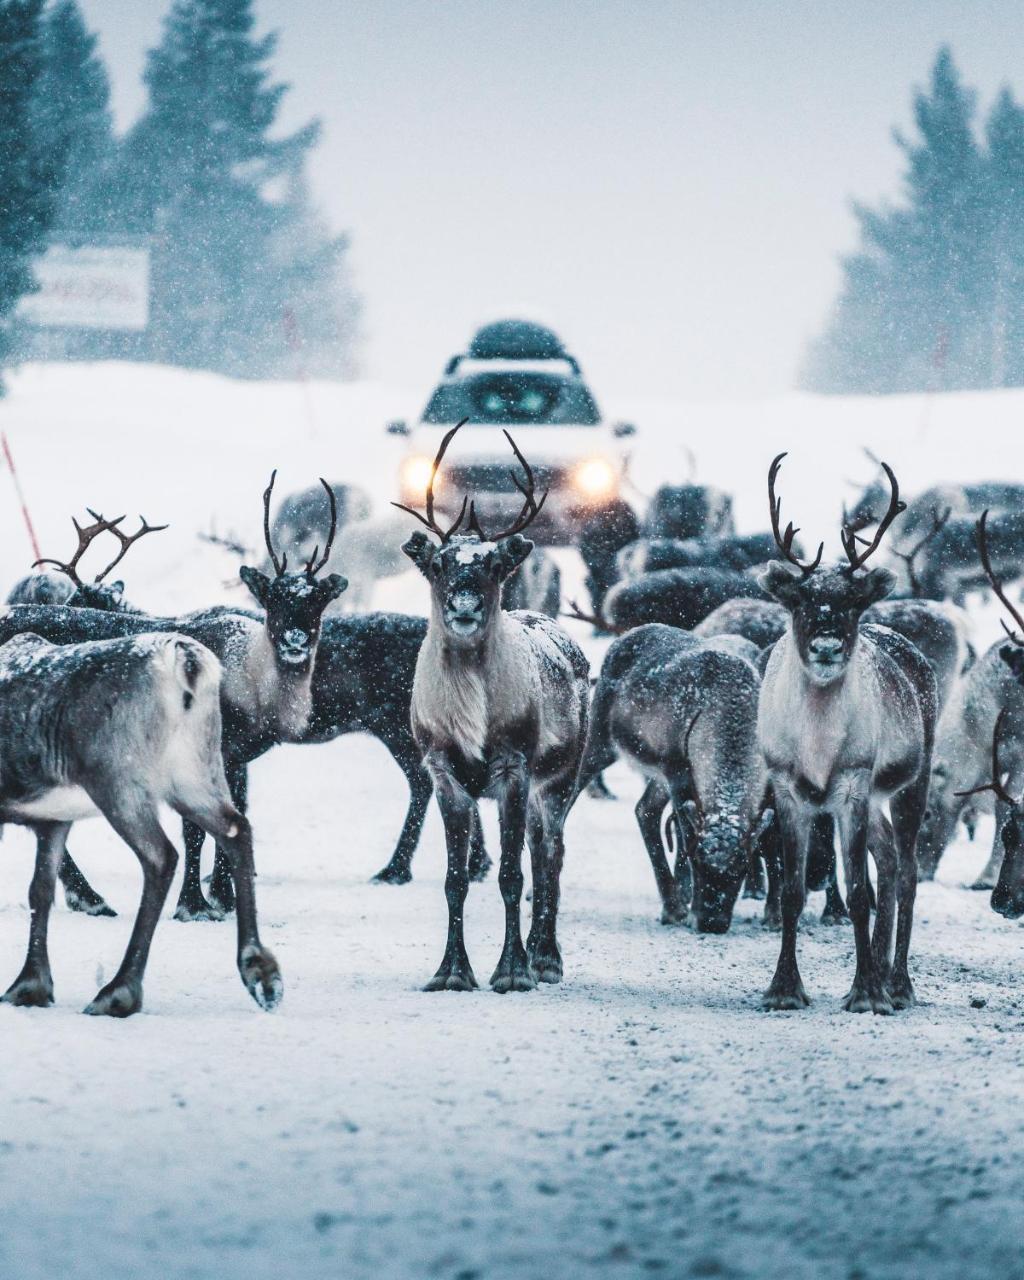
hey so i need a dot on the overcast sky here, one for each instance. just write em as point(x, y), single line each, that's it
point(667, 183)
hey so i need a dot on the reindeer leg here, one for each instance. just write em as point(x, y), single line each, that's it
point(404, 753)
point(883, 849)
point(867, 993)
point(257, 966)
point(989, 877)
point(771, 852)
point(649, 809)
point(479, 859)
point(34, 985)
point(222, 882)
point(140, 829)
point(542, 947)
point(455, 972)
point(192, 905)
point(512, 777)
point(907, 812)
point(78, 892)
point(787, 989)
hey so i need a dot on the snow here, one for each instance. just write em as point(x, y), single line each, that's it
point(644, 1117)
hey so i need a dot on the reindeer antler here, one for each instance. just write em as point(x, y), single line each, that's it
point(997, 586)
point(313, 569)
point(531, 508)
point(126, 541)
point(908, 557)
point(996, 785)
point(429, 519)
point(88, 534)
point(849, 533)
point(784, 541)
point(574, 611)
point(279, 565)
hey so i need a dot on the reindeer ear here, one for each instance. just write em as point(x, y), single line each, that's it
point(331, 587)
point(420, 551)
point(1013, 656)
point(258, 583)
point(510, 554)
point(115, 590)
point(780, 582)
point(875, 586)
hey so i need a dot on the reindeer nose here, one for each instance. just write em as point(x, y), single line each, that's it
point(465, 602)
point(826, 647)
point(295, 639)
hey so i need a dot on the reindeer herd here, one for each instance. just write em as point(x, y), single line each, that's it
point(775, 706)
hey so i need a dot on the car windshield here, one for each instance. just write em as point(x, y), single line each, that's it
point(520, 398)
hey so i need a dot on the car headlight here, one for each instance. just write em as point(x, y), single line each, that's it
point(595, 478)
point(415, 476)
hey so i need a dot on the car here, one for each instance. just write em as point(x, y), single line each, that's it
point(516, 375)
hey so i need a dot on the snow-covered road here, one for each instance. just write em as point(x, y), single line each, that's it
point(643, 1118)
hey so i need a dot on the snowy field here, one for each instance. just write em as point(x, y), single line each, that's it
point(644, 1118)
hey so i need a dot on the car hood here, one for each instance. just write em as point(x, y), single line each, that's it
point(540, 444)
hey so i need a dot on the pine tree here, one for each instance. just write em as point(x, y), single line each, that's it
point(912, 312)
point(1004, 135)
point(32, 167)
point(212, 182)
point(73, 110)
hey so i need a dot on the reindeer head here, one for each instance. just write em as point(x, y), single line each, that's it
point(100, 594)
point(295, 602)
point(825, 605)
point(466, 570)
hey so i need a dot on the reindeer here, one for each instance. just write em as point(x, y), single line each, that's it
point(676, 597)
point(265, 692)
point(536, 585)
point(1008, 892)
point(846, 721)
point(367, 548)
point(684, 713)
point(602, 535)
point(735, 552)
point(499, 708)
point(689, 511)
point(119, 727)
point(989, 693)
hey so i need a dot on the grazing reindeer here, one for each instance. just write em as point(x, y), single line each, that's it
point(119, 727)
point(499, 708)
point(267, 674)
point(689, 511)
point(846, 721)
point(684, 713)
point(1008, 891)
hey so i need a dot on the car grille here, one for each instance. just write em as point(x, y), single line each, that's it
point(488, 477)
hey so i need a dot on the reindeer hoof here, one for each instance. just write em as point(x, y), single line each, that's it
point(835, 919)
point(452, 980)
point(189, 911)
point(479, 868)
point(546, 966)
point(772, 921)
point(901, 993)
point(862, 1000)
point(674, 915)
point(222, 894)
point(983, 883)
point(785, 994)
point(261, 976)
point(116, 1000)
point(30, 990)
point(90, 905)
point(513, 975)
point(392, 875)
